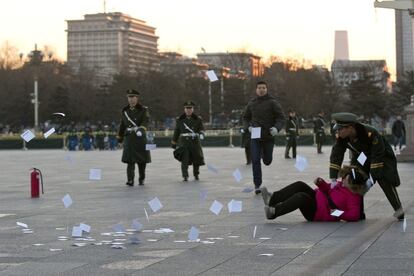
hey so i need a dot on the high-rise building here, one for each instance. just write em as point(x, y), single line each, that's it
point(341, 45)
point(111, 43)
point(404, 42)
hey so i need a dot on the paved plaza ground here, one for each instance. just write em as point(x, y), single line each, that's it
point(227, 246)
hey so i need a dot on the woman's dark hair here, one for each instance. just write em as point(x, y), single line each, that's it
point(357, 178)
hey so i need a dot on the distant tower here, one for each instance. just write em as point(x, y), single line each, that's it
point(404, 42)
point(341, 45)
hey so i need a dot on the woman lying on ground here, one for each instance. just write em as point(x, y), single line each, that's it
point(319, 204)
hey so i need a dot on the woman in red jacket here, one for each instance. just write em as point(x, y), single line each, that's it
point(319, 204)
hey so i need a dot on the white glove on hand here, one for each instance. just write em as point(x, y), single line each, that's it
point(250, 129)
point(369, 184)
point(241, 130)
point(201, 136)
point(333, 183)
point(273, 131)
point(139, 133)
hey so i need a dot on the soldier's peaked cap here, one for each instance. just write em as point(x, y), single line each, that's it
point(344, 119)
point(132, 92)
point(189, 104)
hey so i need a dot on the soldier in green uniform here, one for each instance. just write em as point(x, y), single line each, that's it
point(188, 132)
point(100, 136)
point(132, 132)
point(292, 132)
point(319, 130)
point(380, 161)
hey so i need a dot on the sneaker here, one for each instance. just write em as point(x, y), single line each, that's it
point(130, 183)
point(266, 195)
point(270, 212)
point(257, 191)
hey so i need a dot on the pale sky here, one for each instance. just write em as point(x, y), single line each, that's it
point(301, 29)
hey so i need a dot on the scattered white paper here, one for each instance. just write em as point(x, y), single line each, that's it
point(337, 213)
point(254, 231)
point(76, 231)
point(282, 228)
point(264, 238)
point(150, 146)
point(155, 204)
point(267, 254)
point(21, 224)
point(353, 173)
point(27, 231)
point(362, 158)
point(216, 207)
point(67, 201)
point(370, 178)
point(208, 242)
point(55, 249)
point(234, 206)
point(152, 240)
point(203, 195)
point(212, 76)
point(95, 174)
point(136, 225)
point(79, 244)
point(27, 135)
point(404, 224)
point(212, 168)
point(256, 132)
point(146, 214)
point(237, 175)
point(119, 228)
point(118, 247)
point(38, 244)
point(179, 241)
point(301, 163)
point(84, 227)
point(49, 132)
point(234, 237)
point(247, 190)
point(60, 228)
point(193, 234)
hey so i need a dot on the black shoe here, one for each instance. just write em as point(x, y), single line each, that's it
point(141, 181)
point(196, 177)
point(185, 178)
point(266, 196)
point(270, 212)
point(401, 217)
point(257, 191)
point(130, 183)
point(248, 162)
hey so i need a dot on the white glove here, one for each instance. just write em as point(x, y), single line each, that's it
point(250, 129)
point(333, 183)
point(241, 130)
point(201, 136)
point(273, 131)
point(139, 133)
point(369, 184)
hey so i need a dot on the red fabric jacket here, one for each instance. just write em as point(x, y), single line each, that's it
point(344, 199)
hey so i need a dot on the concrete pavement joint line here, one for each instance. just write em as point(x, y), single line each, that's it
point(332, 257)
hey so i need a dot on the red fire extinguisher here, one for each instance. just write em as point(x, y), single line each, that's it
point(35, 179)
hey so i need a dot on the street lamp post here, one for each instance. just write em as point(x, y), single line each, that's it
point(36, 58)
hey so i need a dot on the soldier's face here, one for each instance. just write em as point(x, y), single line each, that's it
point(132, 100)
point(261, 90)
point(188, 111)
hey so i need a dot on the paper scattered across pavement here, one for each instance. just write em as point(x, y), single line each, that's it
point(155, 204)
point(76, 231)
point(237, 175)
point(337, 213)
point(234, 206)
point(216, 207)
point(21, 224)
point(404, 224)
point(301, 163)
point(95, 174)
point(193, 234)
point(27, 135)
point(212, 168)
point(254, 231)
point(84, 227)
point(67, 201)
point(136, 225)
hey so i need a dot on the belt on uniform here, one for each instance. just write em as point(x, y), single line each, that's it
point(189, 135)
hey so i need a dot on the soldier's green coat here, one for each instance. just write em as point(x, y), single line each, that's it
point(381, 162)
point(192, 145)
point(134, 146)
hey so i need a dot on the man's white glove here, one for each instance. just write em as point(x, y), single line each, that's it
point(139, 133)
point(273, 131)
point(201, 136)
point(250, 129)
point(333, 183)
point(241, 130)
point(369, 184)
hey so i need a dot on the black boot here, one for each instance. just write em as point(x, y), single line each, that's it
point(130, 183)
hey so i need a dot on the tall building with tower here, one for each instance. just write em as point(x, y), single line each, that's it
point(404, 42)
point(341, 45)
point(111, 43)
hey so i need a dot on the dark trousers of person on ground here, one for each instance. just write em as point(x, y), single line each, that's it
point(260, 150)
point(131, 172)
point(291, 143)
point(297, 195)
point(186, 162)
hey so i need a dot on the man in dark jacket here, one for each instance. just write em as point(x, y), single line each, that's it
point(319, 131)
point(189, 130)
point(398, 131)
point(292, 132)
point(262, 112)
point(370, 151)
point(132, 132)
